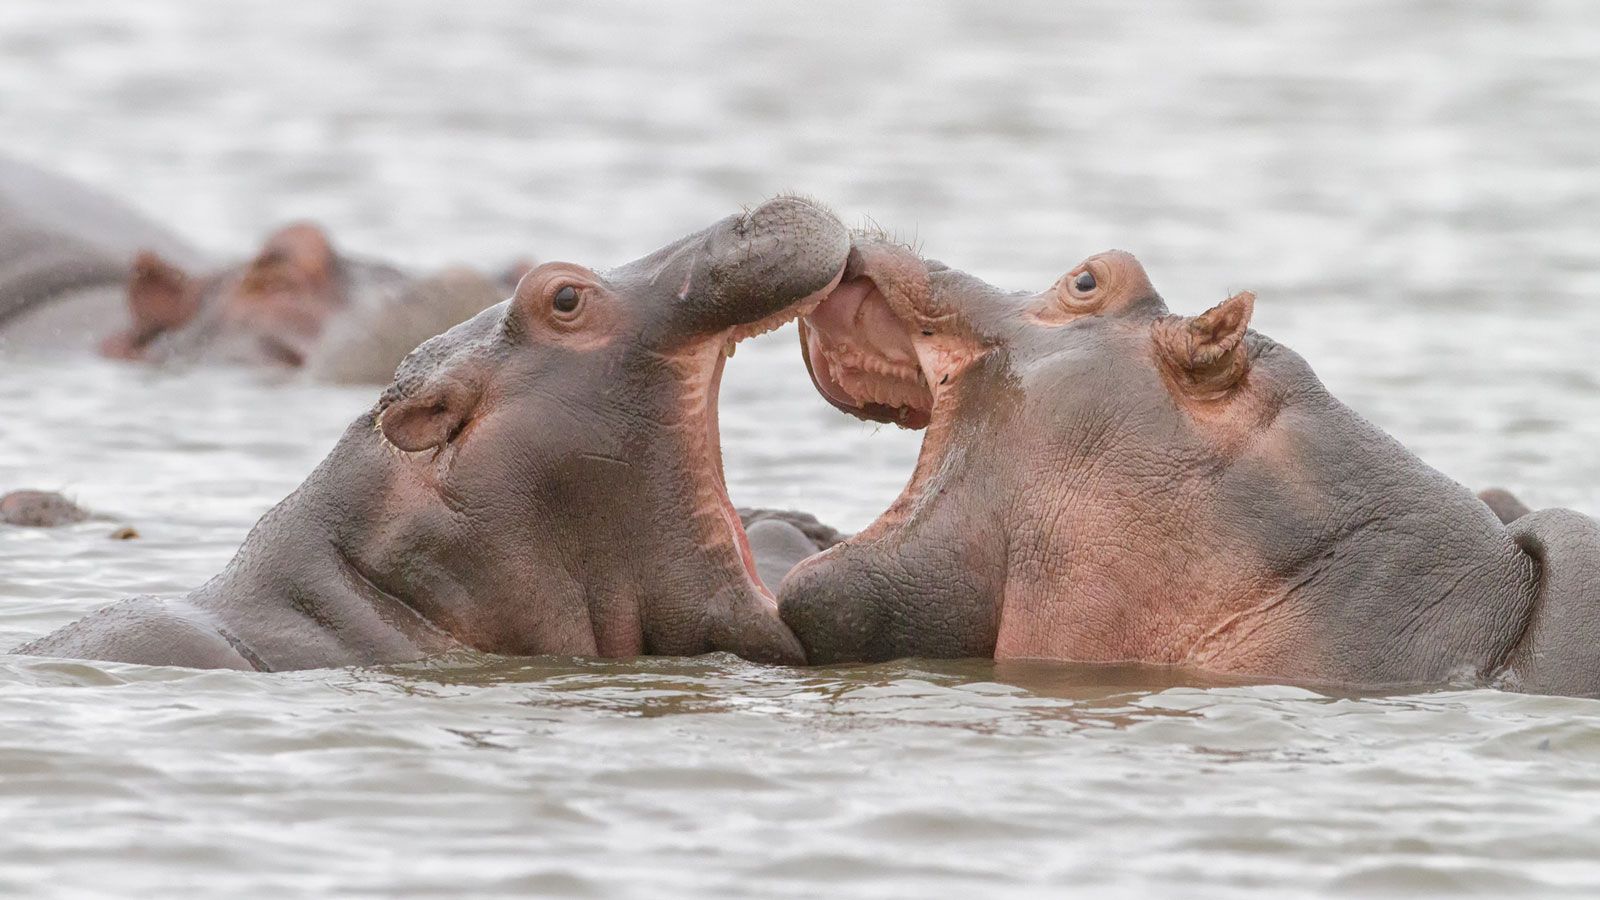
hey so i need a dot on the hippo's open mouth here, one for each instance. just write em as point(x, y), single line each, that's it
point(862, 359)
point(876, 348)
point(725, 343)
point(879, 348)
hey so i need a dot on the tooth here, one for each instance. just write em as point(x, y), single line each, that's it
point(732, 345)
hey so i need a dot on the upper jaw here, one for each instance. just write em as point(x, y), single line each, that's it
point(800, 308)
point(747, 274)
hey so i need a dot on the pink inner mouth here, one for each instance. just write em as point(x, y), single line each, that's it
point(862, 357)
point(719, 484)
point(878, 349)
point(730, 525)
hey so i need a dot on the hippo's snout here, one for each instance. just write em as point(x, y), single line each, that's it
point(757, 266)
point(828, 614)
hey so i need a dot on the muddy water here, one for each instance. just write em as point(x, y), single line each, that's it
point(1409, 187)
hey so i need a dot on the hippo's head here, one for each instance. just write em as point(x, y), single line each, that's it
point(40, 509)
point(271, 310)
point(1028, 399)
point(552, 469)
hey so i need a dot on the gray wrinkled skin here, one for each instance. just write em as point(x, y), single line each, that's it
point(65, 250)
point(562, 511)
point(1395, 574)
point(1559, 649)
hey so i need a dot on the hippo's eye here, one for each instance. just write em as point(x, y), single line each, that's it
point(565, 300)
point(1084, 283)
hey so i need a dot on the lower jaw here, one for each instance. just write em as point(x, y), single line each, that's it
point(821, 366)
point(731, 528)
point(718, 526)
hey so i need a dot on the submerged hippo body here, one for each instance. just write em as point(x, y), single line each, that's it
point(544, 478)
point(1103, 481)
point(782, 539)
point(65, 252)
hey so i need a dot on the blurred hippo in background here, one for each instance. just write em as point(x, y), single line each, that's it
point(78, 269)
point(1103, 481)
point(65, 250)
point(40, 509)
point(298, 304)
point(545, 478)
point(51, 509)
point(1507, 507)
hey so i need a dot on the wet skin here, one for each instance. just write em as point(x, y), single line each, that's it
point(1103, 481)
point(544, 478)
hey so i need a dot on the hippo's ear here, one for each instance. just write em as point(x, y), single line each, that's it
point(158, 294)
point(161, 298)
point(1207, 354)
point(430, 418)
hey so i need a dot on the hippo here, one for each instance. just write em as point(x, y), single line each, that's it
point(64, 256)
point(28, 508)
point(781, 538)
point(299, 304)
point(79, 270)
point(545, 478)
point(1508, 507)
point(1104, 481)
point(40, 509)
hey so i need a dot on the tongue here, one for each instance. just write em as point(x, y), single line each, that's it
point(857, 314)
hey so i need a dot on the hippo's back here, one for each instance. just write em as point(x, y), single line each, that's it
point(58, 237)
